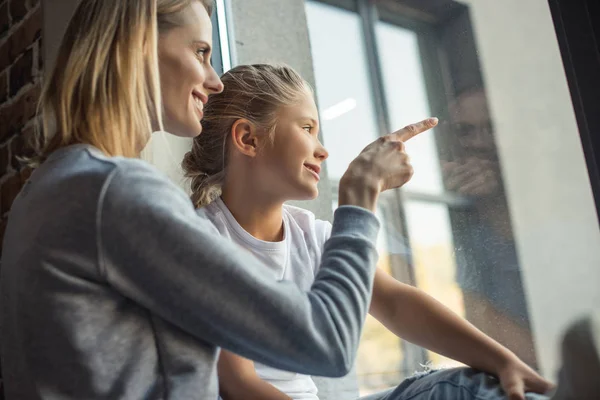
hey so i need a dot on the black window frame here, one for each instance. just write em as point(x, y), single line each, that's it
point(577, 25)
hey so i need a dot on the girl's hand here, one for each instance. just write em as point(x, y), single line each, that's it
point(516, 378)
point(382, 165)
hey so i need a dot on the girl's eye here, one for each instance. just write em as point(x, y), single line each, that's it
point(201, 52)
point(307, 128)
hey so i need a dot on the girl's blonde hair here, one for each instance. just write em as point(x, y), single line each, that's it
point(104, 88)
point(252, 92)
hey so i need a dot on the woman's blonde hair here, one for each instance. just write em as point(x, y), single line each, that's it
point(104, 88)
point(252, 92)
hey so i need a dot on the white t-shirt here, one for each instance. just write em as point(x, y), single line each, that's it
point(296, 258)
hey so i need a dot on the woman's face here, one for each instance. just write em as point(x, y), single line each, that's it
point(187, 77)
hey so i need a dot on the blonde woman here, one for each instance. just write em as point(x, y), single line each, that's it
point(111, 286)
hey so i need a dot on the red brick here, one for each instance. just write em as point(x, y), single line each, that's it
point(3, 222)
point(4, 159)
point(4, 56)
point(15, 116)
point(21, 72)
point(4, 18)
point(28, 134)
point(28, 101)
point(9, 191)
point(27, 33)
point(21, 146)
point(3, 86)
point(17, 146)
point(6, 131)
point(18, 9)
point(40, 46)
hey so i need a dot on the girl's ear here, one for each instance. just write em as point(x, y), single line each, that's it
point(244, 137)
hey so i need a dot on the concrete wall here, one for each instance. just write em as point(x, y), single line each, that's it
point(548, 191)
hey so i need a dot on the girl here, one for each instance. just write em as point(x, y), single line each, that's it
point(112, 287)
point(260, 149)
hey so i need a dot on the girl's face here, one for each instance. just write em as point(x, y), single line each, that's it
point(187, 77)
point(290, 164)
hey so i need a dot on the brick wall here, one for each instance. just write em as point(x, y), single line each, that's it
point(20, 75)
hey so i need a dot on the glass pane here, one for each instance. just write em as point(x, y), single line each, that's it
point(432, 247)
point(343, 91)
point(406, 98)
point(499, 222)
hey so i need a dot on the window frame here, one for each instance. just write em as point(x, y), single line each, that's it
point(221, 50)
point(577, 25)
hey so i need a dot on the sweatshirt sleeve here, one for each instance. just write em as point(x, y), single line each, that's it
point(154, 249)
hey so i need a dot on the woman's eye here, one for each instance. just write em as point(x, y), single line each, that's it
point(201, 52)
point(307, 128)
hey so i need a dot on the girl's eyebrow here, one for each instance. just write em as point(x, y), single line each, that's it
point(311, 119)
point(203, 43)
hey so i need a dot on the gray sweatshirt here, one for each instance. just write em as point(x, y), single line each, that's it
point(112, 287)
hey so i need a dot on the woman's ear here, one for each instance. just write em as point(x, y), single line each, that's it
point(244, 137)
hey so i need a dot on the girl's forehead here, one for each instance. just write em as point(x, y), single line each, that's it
point(305, 107)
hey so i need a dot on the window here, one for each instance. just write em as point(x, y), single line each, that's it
point(221, 58)
point(500, 203)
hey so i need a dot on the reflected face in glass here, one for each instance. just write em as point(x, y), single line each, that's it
point(187, 77)
point(473, 169)
point(291, 161)
point(473, 125)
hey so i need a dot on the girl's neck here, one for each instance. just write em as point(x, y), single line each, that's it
point(259, 215)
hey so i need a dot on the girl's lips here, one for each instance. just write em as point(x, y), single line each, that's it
point(314, 170)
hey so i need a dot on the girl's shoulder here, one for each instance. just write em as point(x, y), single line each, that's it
point(306, 221)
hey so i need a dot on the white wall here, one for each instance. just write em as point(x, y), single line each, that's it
point(552, 208)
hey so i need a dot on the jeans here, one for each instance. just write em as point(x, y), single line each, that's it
point(449, 384)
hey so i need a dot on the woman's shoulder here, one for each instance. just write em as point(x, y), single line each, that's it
point(83, 159)
point(123, 182)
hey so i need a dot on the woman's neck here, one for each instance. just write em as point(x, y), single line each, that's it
point(259, 215)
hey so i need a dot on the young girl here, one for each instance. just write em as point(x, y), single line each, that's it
point(259, 149)
point(112, 287)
